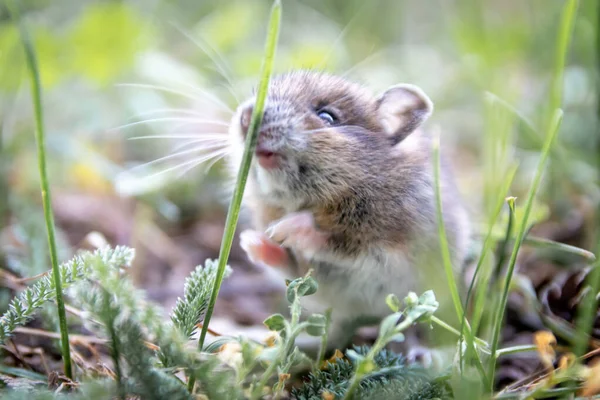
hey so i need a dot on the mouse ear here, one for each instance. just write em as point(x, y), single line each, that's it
point(402, 108)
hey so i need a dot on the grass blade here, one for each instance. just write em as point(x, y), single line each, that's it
point(251, 139)
point(36, 93)
point(499, 315)
point(446, 260)
point(564, 38)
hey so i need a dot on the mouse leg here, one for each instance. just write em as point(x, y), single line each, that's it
point(262, 250)
point(299, 232)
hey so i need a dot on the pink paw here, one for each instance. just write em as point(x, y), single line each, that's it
point(261, 250)
point(298, 231)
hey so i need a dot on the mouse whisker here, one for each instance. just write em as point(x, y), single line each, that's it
point(166, 119)
point(192, 96)
point(196, 128)
point(183, 111)
point(193, 162)
point(179, 154)
point(340, 99)
point(198, 136)
point(295, 120)
point(342, 35)
point(205, 143)
point(325, 128)
point(215, 158)
point(214, 161)
point(219, 62)
point(361, 63)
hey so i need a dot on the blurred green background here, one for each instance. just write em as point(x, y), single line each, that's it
point(486, 65)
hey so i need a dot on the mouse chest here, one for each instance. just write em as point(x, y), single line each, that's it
point(360, 285)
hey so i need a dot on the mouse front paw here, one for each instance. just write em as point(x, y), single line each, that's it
point(299, 232)
point(262, 250)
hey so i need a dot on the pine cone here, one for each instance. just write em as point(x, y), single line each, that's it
point(560, 298)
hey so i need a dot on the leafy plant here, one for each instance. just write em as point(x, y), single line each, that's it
point(36, 92)
point(23, 307)
point(189, 311)
point(396, 379)
point(154, 357)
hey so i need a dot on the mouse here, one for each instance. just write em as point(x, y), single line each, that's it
point(342, 183)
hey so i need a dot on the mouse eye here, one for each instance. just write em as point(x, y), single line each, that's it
point(327, 116)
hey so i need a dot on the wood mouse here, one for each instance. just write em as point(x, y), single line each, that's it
point(342, 182)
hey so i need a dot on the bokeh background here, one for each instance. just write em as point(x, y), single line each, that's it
point(487, 65)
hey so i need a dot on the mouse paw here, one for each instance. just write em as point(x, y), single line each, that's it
point(299, 232)
point(420, 355)
point(262, 250)
point(427, 357)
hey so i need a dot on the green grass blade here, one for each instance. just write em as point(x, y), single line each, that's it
point(547, 244)
point(446, 261)
point(499, 315)
point(487, 245)
point(251, 139)
point(36, 93)
point(564, 38)
point(589, 305)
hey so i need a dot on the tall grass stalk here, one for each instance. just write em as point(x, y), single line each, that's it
point(36, 93)
point(489, 241)
point(499, 314)
point(564, 38)
point(445, 250)
point(483, 281)
point(447, 262)
point(251, 139)
point(589, 306)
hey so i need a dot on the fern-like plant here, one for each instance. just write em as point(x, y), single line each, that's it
point(189, 310)
point(130, 322)
point(23, 307)
point(396, 380)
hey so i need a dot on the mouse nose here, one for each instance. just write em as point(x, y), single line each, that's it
point(245, 117)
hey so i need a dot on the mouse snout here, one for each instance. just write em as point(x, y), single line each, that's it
point(245, 117)
point(271, 131)
point(265, 133)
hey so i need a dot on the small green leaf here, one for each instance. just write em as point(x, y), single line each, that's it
point(419, 309)
point(307, 287)
point(354, 356)
point(398, 337)
point(269, 354)
point(215, 346)
point(317, 324)
point(393, 302)
point(301, 287)
point(275, 322)
point(428, 299)
point(366, 367)
point(388, 324)
point(298, 357)
point(292, 291)
point(411, 299)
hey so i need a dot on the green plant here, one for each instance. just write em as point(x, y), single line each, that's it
point(189, 311)
point(251, 140)
point(36, 93)
point(395, 380)
point(23, 307)
point(552, 129)
point(153, 356)
point(418, 309)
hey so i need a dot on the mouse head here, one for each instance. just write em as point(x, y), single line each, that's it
point(322, 135)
